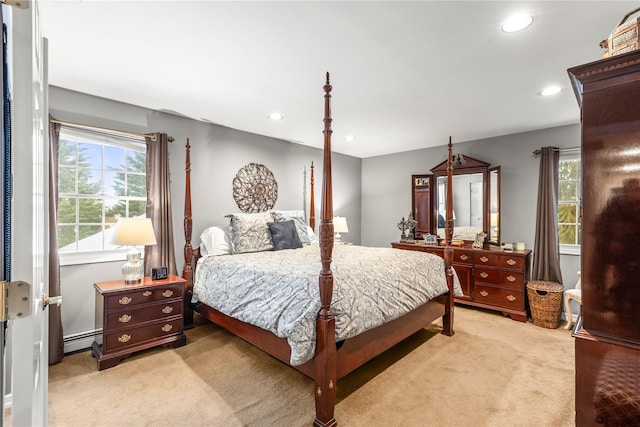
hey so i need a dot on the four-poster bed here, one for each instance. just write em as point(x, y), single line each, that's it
point(331, 359)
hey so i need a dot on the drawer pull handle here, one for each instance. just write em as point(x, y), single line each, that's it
point(167, 293)
point(167, 328)
point(484, 293)
point(511, 298)
point(124, 300)
point(511, 278)
point(463, 257)
point(168, 309)
point(484, 259)
point(146, 293)
point(124, 338)
point(511, 261)
point(124, 318)
point(484, 275)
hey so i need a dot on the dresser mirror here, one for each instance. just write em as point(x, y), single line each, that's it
point(476, 200)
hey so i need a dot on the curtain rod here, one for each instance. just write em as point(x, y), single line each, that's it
point(536, 152)
point(107, 130)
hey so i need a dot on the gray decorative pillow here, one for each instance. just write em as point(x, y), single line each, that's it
point(298, 219)
point(284, 235)
point(249, 232)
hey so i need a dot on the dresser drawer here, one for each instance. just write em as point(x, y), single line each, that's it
point(482, 259)
point(143, 296)
point(502, 297)
point(512, 279)
point(130, 337)
point(486, 275)
point(131, 317)
point(512, 262)
point(462, 257)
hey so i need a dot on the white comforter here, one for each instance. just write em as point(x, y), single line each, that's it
point(278, 290)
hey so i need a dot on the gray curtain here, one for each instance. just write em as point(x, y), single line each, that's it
point(546, 250)
point(56, 337)
point(159, 205)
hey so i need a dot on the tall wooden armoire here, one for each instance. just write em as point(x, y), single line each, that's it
point(607, 335)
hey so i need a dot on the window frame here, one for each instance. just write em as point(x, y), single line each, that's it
point(573, 155)
point(129, 142)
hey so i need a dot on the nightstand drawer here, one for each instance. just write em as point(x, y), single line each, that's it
point(121, 339)
point(143, 296)
point(128, 318)
point(502, 297)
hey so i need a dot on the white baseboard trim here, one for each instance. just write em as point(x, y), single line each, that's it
point(8, 400)
point(80, 341)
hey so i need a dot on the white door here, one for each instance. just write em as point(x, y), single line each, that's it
point(27, 345)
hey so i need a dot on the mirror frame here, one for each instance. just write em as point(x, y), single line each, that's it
point(464, 165)
point(493, 238)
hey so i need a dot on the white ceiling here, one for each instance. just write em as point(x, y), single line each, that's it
point(405, 75)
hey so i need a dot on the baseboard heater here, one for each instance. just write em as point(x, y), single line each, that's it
point(80, 341)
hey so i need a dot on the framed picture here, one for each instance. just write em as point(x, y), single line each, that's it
point(479, 241)
point(430, 239)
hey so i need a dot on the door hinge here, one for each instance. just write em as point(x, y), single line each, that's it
point(20, 4)
point(15, 300)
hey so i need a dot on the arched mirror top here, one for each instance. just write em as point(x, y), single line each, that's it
point(476, 204)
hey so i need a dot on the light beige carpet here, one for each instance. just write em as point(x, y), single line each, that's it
point(493, 372)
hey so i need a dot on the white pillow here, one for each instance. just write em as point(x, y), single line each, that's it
point(312, 236)
point(215, 241)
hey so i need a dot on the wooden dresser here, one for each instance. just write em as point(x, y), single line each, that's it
point(607, 334)
point(136, 317)
point(492, 279)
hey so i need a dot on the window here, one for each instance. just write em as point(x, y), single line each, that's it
point(100, 179)
point(569, 203)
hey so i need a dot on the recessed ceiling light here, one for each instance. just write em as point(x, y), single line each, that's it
point(517, 23)
point(276, 116)
point(349, 138)
point(551, 90)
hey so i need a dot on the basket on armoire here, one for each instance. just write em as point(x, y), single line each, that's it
point(624, 38)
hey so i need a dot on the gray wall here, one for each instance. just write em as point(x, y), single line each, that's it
point(217, 153)
point(372, 193)
point(386, 186)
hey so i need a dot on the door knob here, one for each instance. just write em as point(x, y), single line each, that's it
point(46, 301)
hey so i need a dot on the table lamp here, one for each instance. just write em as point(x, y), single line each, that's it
point(339, 226)
point(133, 232)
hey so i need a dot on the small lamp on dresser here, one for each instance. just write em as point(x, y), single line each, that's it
point(133, 232)
point(339, 226)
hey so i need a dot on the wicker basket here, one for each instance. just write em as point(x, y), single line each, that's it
point(624, 38)
point(545, 301)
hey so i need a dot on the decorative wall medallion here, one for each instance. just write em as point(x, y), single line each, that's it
point(255, 189)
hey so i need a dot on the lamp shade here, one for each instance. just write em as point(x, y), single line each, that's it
point(340, 224)
point(133, 232)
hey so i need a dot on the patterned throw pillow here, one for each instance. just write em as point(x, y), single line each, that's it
point(284, 235)
point(298, 218)
point(249, 232)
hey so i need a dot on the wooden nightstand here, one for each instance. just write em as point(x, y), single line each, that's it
point(136, 317)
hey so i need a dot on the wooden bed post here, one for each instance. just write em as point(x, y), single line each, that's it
point(312, 203)
point(187, 272)
point(447, 319)
point(326, 357)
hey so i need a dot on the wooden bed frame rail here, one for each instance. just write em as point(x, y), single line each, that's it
point(331, 362)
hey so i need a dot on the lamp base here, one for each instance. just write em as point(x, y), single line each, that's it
point(133, 269)
point(337, 238)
